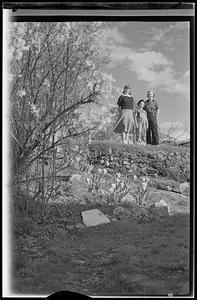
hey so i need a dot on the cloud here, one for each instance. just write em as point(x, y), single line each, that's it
point(166, 36)
point(153, 68)
point(150, 66)
point(181, 85)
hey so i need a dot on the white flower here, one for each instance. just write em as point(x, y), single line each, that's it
point(35, 110)
point(21, 93)
point(134, 177)
point(91, 167)
point(122, 184)
point(105, 171)
point(113, 185)
point(117, 180)
point(99, 170)
point(75, 178)
point(111, 190)
point(144, 183)
point(89, 180)
point(88, 63)
point(47, 82)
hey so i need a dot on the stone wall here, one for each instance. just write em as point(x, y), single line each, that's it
point(169, 162)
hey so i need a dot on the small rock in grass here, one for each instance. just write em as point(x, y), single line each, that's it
point(118, 210)
point(70, 227)
point(79, 226)
point(113, 219)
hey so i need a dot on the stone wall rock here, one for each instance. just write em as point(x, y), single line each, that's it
point(169, 162)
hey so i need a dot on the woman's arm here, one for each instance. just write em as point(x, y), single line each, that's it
point(119, 104)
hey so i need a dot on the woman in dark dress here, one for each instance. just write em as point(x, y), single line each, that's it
point(126, 122)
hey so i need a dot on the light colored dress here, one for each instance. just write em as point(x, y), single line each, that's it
point(142, 121)
point(125, 122)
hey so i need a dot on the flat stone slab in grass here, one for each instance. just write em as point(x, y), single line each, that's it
point(94, 217)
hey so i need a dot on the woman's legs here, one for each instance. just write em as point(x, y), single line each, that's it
point(124, 137)
point(152, 132)
point(148, 133)
point(155, 136)
point(127, 137)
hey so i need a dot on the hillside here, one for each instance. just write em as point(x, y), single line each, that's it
point(144, 250)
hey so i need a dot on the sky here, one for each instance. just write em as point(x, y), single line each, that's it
point(156, 56)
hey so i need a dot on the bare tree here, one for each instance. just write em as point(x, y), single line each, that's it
point(54, 69)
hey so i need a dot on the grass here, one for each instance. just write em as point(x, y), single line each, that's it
point(119, 258)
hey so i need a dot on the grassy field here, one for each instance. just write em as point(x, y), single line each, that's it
point(119, 258)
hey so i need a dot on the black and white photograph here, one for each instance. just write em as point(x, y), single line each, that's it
point(97, 149)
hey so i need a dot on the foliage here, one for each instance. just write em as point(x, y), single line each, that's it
point(98, 185)
point(54, 68)
point(55, 83)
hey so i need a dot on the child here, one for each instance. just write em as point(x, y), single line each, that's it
point(125, 123)
point(142, 122)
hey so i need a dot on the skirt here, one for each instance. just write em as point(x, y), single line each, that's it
point(125, 122)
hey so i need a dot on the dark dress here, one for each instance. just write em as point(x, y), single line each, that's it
point(151, 108)
point(125, 121)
